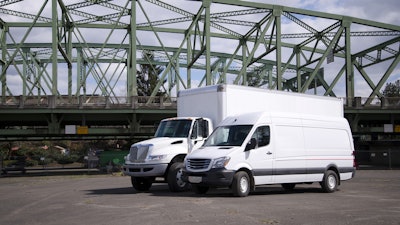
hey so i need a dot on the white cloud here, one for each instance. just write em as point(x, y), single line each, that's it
point(367, 9)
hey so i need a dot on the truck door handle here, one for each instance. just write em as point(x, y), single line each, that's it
point(269, 153)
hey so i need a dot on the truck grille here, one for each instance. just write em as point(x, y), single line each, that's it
point(138, 153)
point(198, 164)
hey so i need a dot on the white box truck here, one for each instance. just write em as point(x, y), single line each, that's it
point(288, 139)
point(198, 110)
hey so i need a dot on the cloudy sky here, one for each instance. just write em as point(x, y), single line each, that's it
point(385, 11)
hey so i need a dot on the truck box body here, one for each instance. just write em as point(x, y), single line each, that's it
point(219, 101)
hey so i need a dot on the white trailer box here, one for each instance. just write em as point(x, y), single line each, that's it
point(219, 101)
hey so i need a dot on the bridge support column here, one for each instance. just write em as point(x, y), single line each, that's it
point(53, 124)
point(134, 124)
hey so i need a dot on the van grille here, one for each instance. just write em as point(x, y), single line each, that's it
point(138, 153)
point(198, 164)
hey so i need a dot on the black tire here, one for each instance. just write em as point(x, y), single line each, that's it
point(289, 186)
point(330, 182)
point(241, 184)
point(174, 178)
point(200, 189)
point(142, 183)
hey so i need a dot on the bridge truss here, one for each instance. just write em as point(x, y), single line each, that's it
point(74, 51)
point(93, 47)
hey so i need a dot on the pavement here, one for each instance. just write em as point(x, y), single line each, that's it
point(372, 197)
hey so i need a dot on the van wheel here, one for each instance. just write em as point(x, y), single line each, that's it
point(289, 186)
point(330, 182)
point(241, 184)
point(200, 189)
point(141, 183)
point(174, 178)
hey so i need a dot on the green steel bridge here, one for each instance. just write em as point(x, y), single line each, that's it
point(69, 68)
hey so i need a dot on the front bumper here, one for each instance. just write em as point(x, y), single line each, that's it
point(144, 170)
point(214, 177)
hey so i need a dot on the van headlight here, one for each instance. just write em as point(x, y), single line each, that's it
point(221, 162)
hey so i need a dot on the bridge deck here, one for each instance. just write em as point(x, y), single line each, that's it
point(97, 117)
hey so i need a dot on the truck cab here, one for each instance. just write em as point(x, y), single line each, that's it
point(163, 155)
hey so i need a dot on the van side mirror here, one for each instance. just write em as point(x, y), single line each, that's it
point(251, 145)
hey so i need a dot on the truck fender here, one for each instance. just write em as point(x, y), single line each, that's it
point(177, 158)
point(175, 152)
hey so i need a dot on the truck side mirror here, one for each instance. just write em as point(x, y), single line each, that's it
point(204, 128)
point(195, 130)
point(251, 145)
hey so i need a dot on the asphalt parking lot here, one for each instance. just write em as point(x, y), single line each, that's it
point(372, 197)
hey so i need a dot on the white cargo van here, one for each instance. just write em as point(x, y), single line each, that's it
point(198, 110)
point(286, 147)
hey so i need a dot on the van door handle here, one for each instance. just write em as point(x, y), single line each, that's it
point(269, 153)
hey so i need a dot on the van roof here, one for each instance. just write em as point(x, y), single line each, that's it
point(270, 117)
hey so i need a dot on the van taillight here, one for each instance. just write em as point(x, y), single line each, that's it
point(354, 160)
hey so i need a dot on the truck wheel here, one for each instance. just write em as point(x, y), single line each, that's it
point(330, 182)
point(289, 186)
point(174, 178)
point(241, 184)
point(200, 189)
point(141, 183)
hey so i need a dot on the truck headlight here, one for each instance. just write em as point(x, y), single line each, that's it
point(156, 157)
point(221, 162)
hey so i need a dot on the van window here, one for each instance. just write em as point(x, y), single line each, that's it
point(262, 135)
point(228, 135)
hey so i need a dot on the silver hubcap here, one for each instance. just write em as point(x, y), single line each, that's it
point(179, 180)
point(331, 182)
point(244, 185)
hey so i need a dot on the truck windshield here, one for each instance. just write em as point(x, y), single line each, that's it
point(174, 128)
point(228, 135)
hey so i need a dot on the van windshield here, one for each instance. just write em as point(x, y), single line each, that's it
point(228, 135)
point(174, 128)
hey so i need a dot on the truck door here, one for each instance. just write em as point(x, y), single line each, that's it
point(261, 157)
point(199, 134)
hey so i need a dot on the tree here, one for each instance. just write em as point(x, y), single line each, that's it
point(392, 93)
point(392, 89)
point(147, 77)
point(256, 79)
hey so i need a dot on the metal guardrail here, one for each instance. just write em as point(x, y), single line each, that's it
point(107, 102)
point(80, 102)
point(372, 103)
